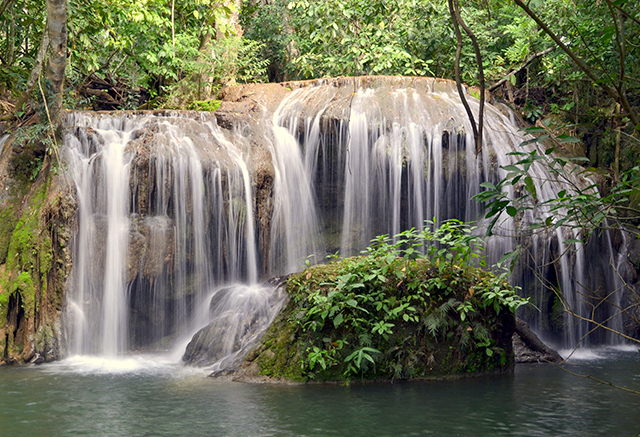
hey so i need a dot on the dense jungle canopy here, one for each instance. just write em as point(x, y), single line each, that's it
point(573, 62)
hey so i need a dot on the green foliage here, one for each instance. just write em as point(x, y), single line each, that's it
point(349, 37)
point(135, 38)
point(249, 66)
point(8, 222)
point(366, 316)
point(21, 27)
point(203, 72)
point(205, 105)
point(148, 44)
point(375, 35)
point(353, 37)
point(29, 259)
point(580, 204)
point(268, 23)
point(30, 145)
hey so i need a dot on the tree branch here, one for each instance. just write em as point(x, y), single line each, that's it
point(620, 44)
point(521, 67)
point(476, 49)
point(5, 5)
point(598, 380)
point(615, 94)
point(454, 10)
point(626, 14)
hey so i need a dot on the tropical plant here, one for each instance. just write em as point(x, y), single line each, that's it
point(580, 204)
point(357, 316)
point(587, 203)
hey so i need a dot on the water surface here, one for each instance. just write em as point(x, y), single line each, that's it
point(151, 396)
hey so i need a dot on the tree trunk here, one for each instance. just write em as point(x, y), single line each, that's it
point(35, 71)
point(11, 39)
point(229, 26)
point(57, 29)
point(204, 78)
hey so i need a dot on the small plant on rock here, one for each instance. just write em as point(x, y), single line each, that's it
point(370, 316)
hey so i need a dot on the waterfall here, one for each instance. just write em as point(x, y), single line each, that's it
point(165, 215)
point(115, 170)
point(174, 210)
point(384, 154)
point(294, 228)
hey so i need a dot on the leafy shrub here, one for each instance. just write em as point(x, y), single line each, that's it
point(580, 204)
point(371, 316)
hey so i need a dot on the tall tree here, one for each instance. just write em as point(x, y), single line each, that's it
point(57, 29)
point(613, 84)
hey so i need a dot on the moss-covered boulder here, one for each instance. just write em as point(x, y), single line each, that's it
point(390, 315)
point(37, 211)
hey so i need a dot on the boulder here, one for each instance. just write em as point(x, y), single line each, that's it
point(239, 316)
point(528, 348)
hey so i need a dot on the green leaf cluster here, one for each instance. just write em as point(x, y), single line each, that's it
point(580, 203)
point(411, 306)
point(409, 37)
point(163, 47)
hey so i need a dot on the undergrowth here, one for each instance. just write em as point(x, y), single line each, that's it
point(414, 305)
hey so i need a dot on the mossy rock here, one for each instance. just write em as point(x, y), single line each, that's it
point(428, 334)
point(35, 261)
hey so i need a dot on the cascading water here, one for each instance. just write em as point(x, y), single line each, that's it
point(164, 216)
point(384, 154)
point(103, 201)
point(387, 162)
point(239, 314)
point(173, 209)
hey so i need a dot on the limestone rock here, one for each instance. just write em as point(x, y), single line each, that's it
point(528, 348)
point(239, 315)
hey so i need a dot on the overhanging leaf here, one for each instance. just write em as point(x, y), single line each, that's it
point(530, 187)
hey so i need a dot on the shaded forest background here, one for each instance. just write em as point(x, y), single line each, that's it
point(144, 54)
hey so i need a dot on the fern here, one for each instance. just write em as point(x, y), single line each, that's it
point(438, 319)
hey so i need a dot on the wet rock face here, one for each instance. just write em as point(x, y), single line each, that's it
point(239, 317)
point(37, 221)
point(187, 211)
point(155, 168)
point(214, 342)
point(528, 348)
point(630, 273)
point(264, 173)
point(633, 251)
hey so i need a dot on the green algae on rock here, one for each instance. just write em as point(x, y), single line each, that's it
point(37, 215)
point(393, 313)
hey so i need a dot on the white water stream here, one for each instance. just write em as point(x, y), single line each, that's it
point(147, 256)
point(168, 215)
